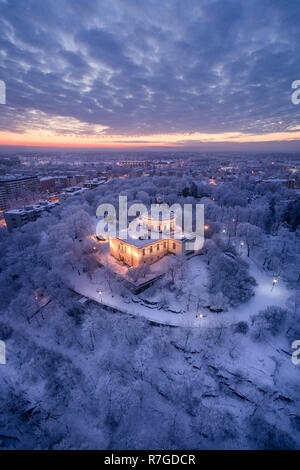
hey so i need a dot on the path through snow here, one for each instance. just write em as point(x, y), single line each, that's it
point(264, 296)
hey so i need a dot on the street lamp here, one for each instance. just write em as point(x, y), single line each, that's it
point(99, 292)
point(275, 280)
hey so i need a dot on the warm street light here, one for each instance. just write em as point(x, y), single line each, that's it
point(206, 227)
point(275, 280)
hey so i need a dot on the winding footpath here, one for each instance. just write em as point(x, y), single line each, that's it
point(264, 297)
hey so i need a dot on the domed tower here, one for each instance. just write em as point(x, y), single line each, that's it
point(157, 221)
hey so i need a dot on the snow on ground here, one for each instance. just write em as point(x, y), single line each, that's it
point(177, 314)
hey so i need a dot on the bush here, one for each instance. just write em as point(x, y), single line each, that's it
point(231, 278)
point(268, 322)
point(5, 331)
point(293, 328)
point(241, 327)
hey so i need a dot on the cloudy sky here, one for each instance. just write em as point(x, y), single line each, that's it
point(149, 72)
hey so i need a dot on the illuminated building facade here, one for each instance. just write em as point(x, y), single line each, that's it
point(163, 238)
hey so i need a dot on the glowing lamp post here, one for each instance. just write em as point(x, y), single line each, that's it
point(99, 291)
point(275, 280)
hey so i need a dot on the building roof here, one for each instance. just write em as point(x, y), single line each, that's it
point(140, 242)
point(46, 178)
point(33, 208)
point(12, 179)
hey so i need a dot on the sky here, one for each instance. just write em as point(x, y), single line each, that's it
point(150, 73)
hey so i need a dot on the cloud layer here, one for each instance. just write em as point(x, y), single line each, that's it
point(137, 68)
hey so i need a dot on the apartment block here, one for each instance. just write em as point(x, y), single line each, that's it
point(18, 217)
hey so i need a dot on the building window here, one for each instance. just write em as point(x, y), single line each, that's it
point(174, 246)
point(151, 249)
point(165, 244)
point(144, 252)
point(157, 247)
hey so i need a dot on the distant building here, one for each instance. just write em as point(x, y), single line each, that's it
point(69, 192)
point(61, 182)
point(11, 188)
point(47, 184)
point(288, 182)
point(10, 161)
point(132, 163)
point(80, 178)
point(18, 217)
point(92, 184)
